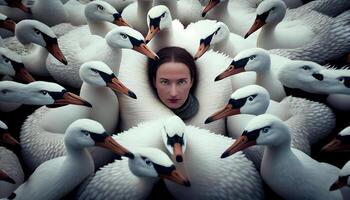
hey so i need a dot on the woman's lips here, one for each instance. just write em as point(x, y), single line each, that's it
point(173, 100)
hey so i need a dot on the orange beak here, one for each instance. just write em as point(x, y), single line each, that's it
point(177, 177)
point(7, 178)
point(258, 23)
point(231, 70)
point(228, 110)
point(209, 6)
point(146, 51)
point(55, 50)
point(178, 152)
point(201, 50)
point(240, 144)
point(121, 22)
point(24, 75)
point(7, 138)
point(116, 85)
point(70, 98)
point(151, 33)
point(8, 24)
point(336, 145)
point(110, 143)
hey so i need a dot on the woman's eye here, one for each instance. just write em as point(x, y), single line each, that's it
point(182, 82)
point(100, 7)
point(164, 82)
point(44, 92)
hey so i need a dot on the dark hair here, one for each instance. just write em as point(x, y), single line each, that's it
point(172, 54)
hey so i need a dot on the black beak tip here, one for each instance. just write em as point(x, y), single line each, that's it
point(246, 36)
point(87, 104)
point(207, 121)
point(132, 95)
point(64, 61)
point(147, 41)
point(179, 158)
point(187, 184)
point(333, 187)
point(203, 14)
point(217, 78)
point(10, 180)
point(130, 155)
point(225, 155)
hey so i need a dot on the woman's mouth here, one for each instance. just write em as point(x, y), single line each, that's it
point(173, 100)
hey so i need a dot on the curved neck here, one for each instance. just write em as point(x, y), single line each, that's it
point(143, 7)
point(35, 61)
point(100, 28)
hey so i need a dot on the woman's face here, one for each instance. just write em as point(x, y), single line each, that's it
point(173, 83)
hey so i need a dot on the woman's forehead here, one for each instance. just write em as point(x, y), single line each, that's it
point(172, 70)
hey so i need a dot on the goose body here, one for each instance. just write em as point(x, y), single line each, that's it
point(289, 172)
point(77, 163)
point(39, 132)
point(135, 14)
point(199, 169)
point(308, 121)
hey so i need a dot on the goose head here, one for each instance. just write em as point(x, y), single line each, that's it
point(254, 59)
point(251, 99)
point(211, 4)
point(5, 136)
point(152, 162)
point(158, 19)
point(11, 91)
point(7, 23)
point(343, 179)
point(84, 133)
point(268, 12)
point(264, 129)
point(99, 74)
point(103, 11)
point(216, 33)
point(332, 81)
point(15, 4)
point(5, 177)
point(33, 31)
point(11, 65)
point(126, 37)
point(50, 94)
point(174, 138)
point(341, 143)
point(299, 74)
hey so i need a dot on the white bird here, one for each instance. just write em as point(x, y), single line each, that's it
point(259, 61)
point(340, 143)
point(10, 95)
point(11, 65)
point(308, 121)
point(298, 30)
point(15, 9)
point(136, 15)
point(11, 172)
point(53, 179)
point(201, 150)
point(107, 50)
point(42, 41)
point(217, 35)
point(289, 172)
point(119, 5)
point(344, 178)
point(189, 11)
point(39, 134)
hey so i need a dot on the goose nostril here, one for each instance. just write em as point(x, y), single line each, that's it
point(318, 76)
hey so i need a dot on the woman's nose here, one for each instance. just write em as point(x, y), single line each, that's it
point(173, 90)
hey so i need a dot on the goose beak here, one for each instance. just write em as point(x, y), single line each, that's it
point(116, 85)
point(23, 74)
point(231, 70)
point(341, 182)
point(55, 50)
point(176, 177)
point(178, 152)
point(69, 98)
point(118, 20)
point(146, 51)
point(151, 33)
point(258, 23)
point(7, 178)
point(209, 6)
point(228, 110)
point(8, 24)
point(201, 50)
point(7, 138)
point(336, 145)
point(241, 143)
point(111, 144)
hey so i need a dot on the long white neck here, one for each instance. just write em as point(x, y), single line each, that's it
point(35, 61)
point(100, 28)
point(267, 35)
point(51, 12)
point(143, 7)
point(269, 81)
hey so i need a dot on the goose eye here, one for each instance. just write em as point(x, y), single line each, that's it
point(94, 71)
point(86, 133)
point(148, 162)
point(7, 60)
point(305, 67)
point(265, 130)
point(37, 31)
point(163, 15)
point(273, 8)
point(252, 57)
point(100, 7)
point(44, 92)
point(341, 79)
point(124, 36)
point(4, 91)
point(250, 98)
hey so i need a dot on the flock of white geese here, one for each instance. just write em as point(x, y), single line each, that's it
point(266, 91)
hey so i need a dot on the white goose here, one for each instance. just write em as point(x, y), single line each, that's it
point(344, 178)
point(119, 5)
point(289, 172)
point(132, 179)
point(10, 96)
point(189, 11)
point(340, 143)
point(200, 168)
point(77, 163)
point(219, 37)
point(308, 121)
point(94, 47)
point(136, 14)
point(290, 33)
point(11, 172)
point(15, 9)
point(163, 29)
point(11, 65)
point(42, 41)
point(259, 61)
point(39, 134)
